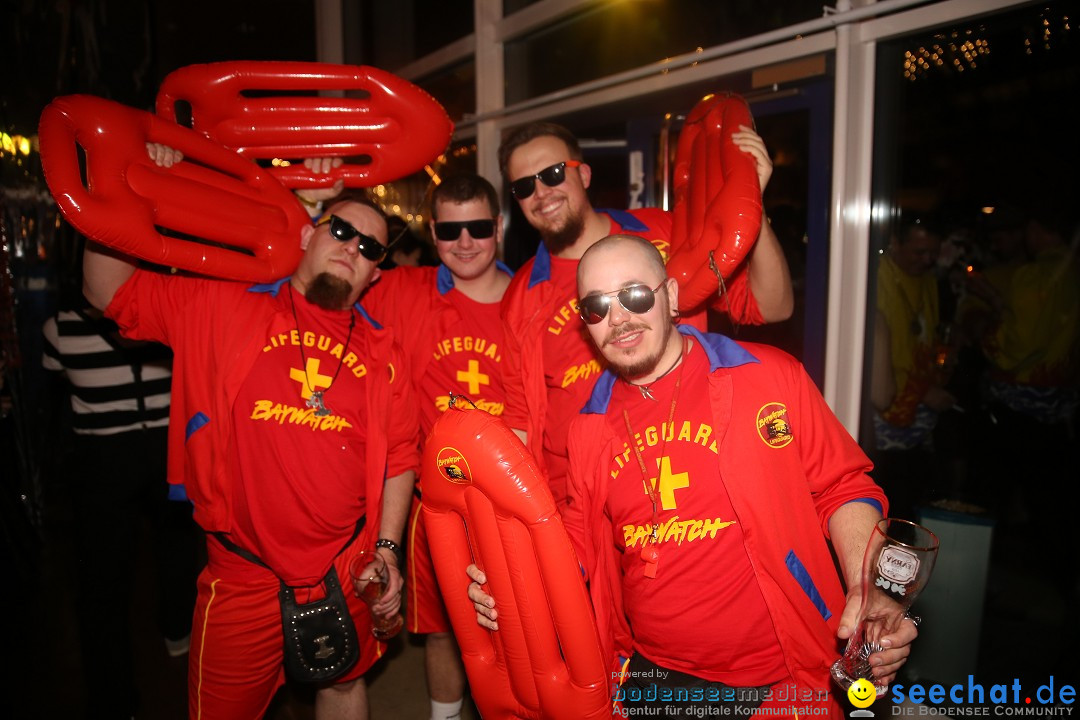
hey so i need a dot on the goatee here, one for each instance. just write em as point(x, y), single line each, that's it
point(328, 292)
point(559, 239)
point(634, 368)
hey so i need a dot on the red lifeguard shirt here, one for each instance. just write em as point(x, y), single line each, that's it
point(465, 359)
point(703, 613)
point(571, 366)
point(300, 477)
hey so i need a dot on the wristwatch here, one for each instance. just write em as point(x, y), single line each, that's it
point(394, 548)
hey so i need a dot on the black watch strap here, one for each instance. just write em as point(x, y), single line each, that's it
point(394, 548)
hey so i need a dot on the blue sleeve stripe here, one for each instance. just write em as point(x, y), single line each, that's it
point(872, 502)
point(178, 492)
point(197, 421)
point(802, 576)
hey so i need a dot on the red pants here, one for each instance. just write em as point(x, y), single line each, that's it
point(425, 612)
point(235, 662)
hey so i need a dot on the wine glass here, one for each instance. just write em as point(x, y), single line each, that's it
point(896, 567)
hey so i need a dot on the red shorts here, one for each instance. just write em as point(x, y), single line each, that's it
point(235, 661)
point(425, 612)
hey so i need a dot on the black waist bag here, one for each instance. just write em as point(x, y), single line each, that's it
point(320, 636)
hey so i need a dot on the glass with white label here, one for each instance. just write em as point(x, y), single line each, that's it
point(896, 567)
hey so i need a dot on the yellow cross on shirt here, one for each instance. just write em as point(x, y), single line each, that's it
point(473, 377)
point(310, 377)
point(669, 483)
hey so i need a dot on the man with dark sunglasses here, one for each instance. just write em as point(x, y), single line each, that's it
point(549, 361)
point(297, 442)
point(707, 479)
point(448, 320)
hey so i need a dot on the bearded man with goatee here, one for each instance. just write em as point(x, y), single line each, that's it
point(548, 362)
point(294, 434)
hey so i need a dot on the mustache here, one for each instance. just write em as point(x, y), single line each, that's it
point(626, 329)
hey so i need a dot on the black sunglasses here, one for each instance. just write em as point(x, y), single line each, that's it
point(637, 299)
point(368, 247)
point(550, 176)
point(451, 230)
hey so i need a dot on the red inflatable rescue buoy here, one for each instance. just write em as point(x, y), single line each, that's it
point(487, 502)
point(717, 213)
point(270, 110)
point(215, 213)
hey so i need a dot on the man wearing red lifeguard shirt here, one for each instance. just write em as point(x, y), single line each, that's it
point(448, 318)
point(707, 480)
point(550, 364)
point(292, 433)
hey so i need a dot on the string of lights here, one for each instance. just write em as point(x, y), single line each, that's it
point(962, 50)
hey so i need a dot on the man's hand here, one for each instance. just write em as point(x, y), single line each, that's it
point(750, 142)
point(885, 664)
point(486, 614)
point(320, 166)
point(389, 603)
point(163, 155)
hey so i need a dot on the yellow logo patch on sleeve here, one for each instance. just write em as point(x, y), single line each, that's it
point(773, 426)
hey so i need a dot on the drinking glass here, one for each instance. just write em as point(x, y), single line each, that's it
point(370, 577)
point(896, 567)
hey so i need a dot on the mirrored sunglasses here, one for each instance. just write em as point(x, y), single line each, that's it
point(478, 229)
point(368, 247)
point(550, 176)
point(636, 299)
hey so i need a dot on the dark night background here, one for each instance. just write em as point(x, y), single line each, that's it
point(122, 49)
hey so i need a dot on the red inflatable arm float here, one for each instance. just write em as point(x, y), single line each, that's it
point(251, 222)
point(717, 199)
point(487, 502)
point(270, 110)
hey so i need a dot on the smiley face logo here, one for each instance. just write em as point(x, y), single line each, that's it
point(862, 693)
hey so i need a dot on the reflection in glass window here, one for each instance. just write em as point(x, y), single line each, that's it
point(613, 37)
point(455, 88)
point(972, 387)
point(512, 6)
point(392, 34)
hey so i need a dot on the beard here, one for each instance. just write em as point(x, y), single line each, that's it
point(328, 292)
point(638, 366)
point(558, 239)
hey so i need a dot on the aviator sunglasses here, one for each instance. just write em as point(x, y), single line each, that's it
point(478, 229)
point(368, 247)
point(636, 299)
point(550, 176)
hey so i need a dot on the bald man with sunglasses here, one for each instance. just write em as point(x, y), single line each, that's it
point(549, 361)
point(296, 437)
point(449, 322)
point(707, 481)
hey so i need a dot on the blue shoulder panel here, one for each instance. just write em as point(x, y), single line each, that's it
point(626, 220)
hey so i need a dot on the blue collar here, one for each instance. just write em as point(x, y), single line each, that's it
point(444, 279)
point(273, 288)
point(722, 351)
point(541, 270)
